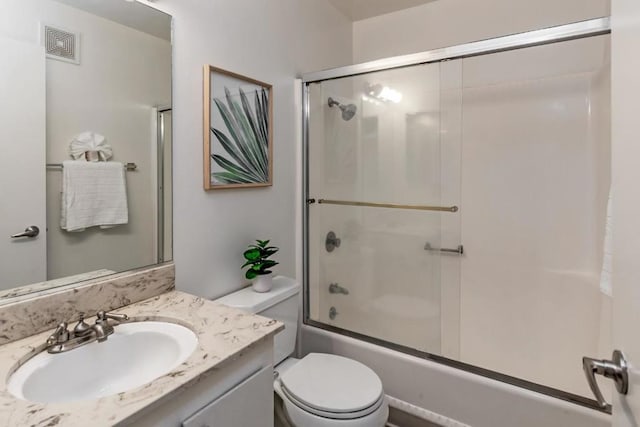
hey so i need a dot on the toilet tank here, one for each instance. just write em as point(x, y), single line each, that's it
point(280, 303)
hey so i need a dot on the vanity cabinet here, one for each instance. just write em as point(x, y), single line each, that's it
point(237, 394)
point(249, 404)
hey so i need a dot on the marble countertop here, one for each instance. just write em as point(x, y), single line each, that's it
point(223, 333)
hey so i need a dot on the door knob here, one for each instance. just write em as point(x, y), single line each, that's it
point(31, 231)
point(615, 369)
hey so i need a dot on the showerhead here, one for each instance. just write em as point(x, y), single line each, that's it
point(348, 111)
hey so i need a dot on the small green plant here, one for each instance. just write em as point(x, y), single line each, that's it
point(257, 257)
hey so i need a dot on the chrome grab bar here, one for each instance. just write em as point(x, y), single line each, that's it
point(458, 251)
point(386, 205)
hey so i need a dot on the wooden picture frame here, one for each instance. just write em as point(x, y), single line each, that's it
point(238, 131)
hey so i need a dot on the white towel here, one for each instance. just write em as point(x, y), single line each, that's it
point(606, 287)
point(93, 194)
point(86, 143)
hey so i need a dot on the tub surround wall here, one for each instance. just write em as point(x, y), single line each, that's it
point(225, 335)
point(533, 222)
point(26, 317)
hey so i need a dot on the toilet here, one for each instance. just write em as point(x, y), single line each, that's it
point(319, 390)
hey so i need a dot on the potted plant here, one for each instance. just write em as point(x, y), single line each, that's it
point(257, 259)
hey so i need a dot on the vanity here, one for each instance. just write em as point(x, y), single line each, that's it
point(226, 379)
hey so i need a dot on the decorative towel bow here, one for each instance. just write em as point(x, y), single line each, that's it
point(90, 142)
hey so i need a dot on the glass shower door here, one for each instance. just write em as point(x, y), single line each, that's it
point(376, 219)
point(517, 138)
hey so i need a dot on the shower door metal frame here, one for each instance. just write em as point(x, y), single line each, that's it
point(561, 33)
point(161, 135)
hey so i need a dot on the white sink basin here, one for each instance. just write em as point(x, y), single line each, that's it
point(135, 354)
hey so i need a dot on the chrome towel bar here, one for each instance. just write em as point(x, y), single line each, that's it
point(58, 166)
point(458, 251)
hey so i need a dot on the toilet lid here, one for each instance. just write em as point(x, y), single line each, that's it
point(330, 383)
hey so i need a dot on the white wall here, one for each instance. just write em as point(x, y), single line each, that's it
point(272, 41)
point(122, 75)
point(449, 22)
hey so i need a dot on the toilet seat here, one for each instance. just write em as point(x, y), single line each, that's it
point(332, 387)
point(335, 415)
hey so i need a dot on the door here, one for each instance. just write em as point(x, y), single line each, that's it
point(377, 206)
point(22, 165)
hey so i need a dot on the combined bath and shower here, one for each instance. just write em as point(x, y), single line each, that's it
point(348, 111)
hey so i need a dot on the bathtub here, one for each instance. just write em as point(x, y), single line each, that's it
point(453, 393)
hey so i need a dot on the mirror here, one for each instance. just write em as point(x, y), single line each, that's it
point(85, 149)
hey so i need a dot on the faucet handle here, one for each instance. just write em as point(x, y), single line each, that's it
point(60, 335)
point(335, 288)
point(103, 316)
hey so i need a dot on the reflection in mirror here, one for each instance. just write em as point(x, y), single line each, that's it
point(85, 152)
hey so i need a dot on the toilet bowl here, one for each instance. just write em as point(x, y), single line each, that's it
point(319, 390)
point(324, 390)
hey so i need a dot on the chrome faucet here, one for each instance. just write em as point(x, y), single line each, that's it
point(102, 328)
point(62, 339)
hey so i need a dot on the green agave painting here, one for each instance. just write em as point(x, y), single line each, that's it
point(238, 139)
point(246, 140)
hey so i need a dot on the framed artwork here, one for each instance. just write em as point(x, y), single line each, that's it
point(238, 131)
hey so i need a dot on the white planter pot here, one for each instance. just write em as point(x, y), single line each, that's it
point(263, 283)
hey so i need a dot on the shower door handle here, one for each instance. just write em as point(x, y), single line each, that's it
point(615, 369)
